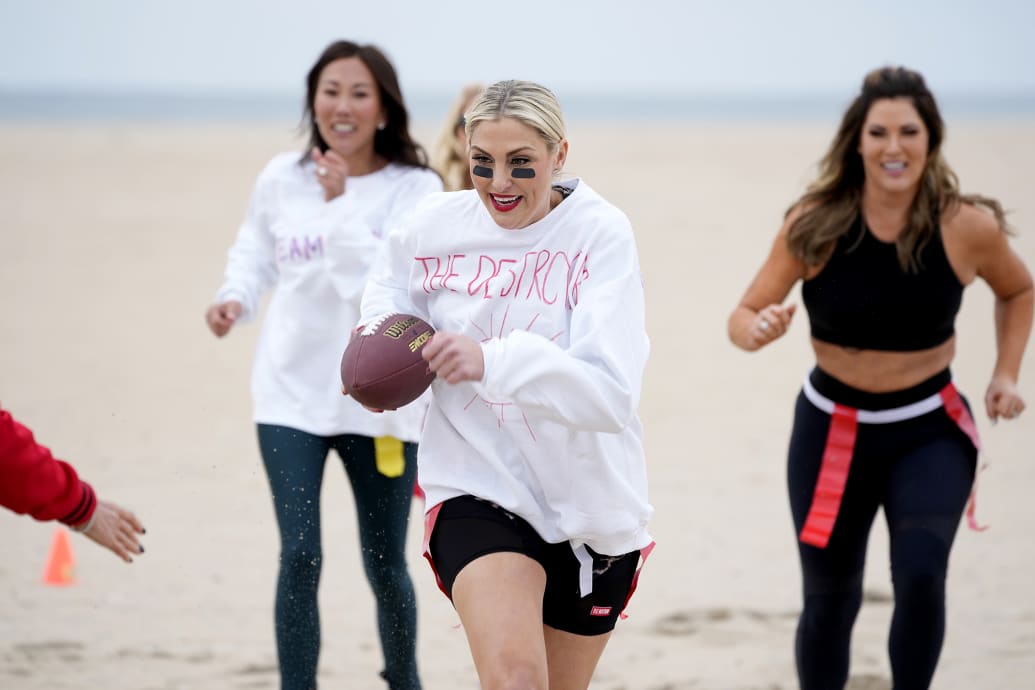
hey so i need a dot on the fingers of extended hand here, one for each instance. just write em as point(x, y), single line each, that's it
point(127, 531)
point(130, 521)
point(116, 529)
point(125, 543)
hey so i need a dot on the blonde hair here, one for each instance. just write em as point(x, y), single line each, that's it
point(524, 101)
point(445, 159)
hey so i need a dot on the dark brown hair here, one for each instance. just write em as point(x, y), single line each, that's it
point(831, 205)
point(394, 142)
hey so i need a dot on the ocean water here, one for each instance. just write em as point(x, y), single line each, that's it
point(94, 106)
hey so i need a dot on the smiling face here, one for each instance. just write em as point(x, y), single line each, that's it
point(893, 145)
point(504, 146)
point(347, 110)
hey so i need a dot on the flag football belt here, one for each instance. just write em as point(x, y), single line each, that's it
point(840, 446)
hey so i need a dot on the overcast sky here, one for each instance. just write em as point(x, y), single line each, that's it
point(636, 46)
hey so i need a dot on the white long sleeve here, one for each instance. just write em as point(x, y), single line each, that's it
point(316, 255)
point(251, 267)
point(594, 383)
point(551, 432)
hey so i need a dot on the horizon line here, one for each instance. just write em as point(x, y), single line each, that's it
point(585, 103)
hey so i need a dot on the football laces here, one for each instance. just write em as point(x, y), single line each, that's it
point(371, 327)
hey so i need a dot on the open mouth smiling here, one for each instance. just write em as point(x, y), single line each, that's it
point(505, 203)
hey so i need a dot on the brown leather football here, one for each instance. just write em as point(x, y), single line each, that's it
point(382, 366)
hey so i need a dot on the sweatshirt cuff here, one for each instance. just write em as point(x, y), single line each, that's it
point(229, 294)
point(490, 355)
point(84, 510)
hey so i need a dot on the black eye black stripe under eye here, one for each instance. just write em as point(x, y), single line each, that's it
point(518, 173)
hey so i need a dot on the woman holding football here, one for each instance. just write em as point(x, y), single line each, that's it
point(532, 454)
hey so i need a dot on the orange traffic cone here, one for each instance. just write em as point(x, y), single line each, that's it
point(60, 568)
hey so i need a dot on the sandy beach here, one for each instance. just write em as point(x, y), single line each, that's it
point(114, 239)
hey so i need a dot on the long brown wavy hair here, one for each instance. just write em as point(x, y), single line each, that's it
point(832, 202)
point(394, 142)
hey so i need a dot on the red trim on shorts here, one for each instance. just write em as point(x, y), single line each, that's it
point(644, 552)
point(837, 460)
point(430, 518)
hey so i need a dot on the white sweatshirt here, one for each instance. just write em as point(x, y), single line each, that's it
point(317, 256)
point(551, 431)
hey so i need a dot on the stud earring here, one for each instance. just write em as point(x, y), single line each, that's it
point(381, 126)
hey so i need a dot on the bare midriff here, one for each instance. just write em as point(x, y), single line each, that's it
point(878, 371)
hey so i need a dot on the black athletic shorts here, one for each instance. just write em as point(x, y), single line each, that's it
point(467, 528)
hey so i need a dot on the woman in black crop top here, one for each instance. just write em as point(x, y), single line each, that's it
point(885, 244)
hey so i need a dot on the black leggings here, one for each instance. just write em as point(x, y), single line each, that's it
point(294, 465)
point(920, 471)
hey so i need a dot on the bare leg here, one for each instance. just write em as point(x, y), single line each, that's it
point(499, 598)
point(572, 658)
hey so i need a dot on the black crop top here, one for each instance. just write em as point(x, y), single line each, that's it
point(863, 299)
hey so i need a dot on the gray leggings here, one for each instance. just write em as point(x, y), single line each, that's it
point(294, 463)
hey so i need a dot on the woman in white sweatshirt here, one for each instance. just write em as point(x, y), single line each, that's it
point(532, 457)
point(312, 229)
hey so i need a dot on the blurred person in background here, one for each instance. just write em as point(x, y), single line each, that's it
point(449, 153)
point(313, 226)
point(885, 243)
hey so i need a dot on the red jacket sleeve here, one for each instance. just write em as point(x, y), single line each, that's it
point(33, 481)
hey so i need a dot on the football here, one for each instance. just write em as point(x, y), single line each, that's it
point(382, 365)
